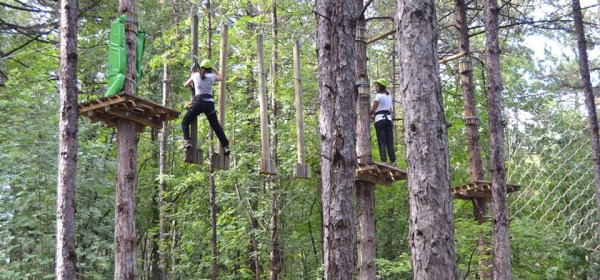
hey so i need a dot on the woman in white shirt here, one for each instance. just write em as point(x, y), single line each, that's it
point(203, 78)
point(384, 128)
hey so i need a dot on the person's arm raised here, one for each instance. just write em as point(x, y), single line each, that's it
point(218, 76)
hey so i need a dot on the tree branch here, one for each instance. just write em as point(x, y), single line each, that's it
point(23, 9)
point(362, 13)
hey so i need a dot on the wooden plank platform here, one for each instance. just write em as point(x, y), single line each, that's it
point(131, 107)
point(379, 173)
point(481, 189)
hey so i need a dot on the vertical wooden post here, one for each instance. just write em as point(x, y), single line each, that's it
point(222, 161)
point(194, 155)
point(125, 199)
point(301, 170)
point(265, 164)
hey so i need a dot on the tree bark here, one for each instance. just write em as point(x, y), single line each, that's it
point(590, 105)
point(163, 185)
point(214, 270)
point(337, 125)
point(67, 143)
point(125, 201)
point(471, 118)
point(501, 248)
point(275, 252)
point(365, 191)
point(431, 233)
point(253, 251)
point(365, 196)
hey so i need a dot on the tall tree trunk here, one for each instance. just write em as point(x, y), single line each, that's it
point(67, 143)
point(431, 233)
point(365, 191)
point(502, 266)
point(471, 118)
point(275, 253)
point(253, 251)
point(162, 184)
point(365, 196)
point(584, 71)
point(337, 124)
point(125, 201)
point(211, 169)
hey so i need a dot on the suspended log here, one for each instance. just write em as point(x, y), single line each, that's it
point(265, 164)
point(194, 154)
point(301, 169)
point(221, 160)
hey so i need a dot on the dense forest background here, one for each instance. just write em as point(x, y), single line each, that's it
point(553, 226)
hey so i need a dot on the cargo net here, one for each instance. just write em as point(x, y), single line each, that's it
point(548, 153)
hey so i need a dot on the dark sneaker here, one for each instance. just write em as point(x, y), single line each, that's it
point(187, 143)
point(227, 151)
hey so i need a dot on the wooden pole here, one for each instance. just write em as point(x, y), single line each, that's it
point(265, 164)
point(391, 32)
point(223, 160)
point(381, 36)
point(298, 87)
point(302, 170)
point(452, 57)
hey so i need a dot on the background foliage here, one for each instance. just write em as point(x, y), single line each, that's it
point(553, 216)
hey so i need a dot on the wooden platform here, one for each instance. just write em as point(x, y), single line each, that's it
point(481, 189)
point(131, 107)
point(379, 173)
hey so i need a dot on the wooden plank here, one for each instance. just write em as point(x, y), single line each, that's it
point(97, 104)
point(373, 179)
point(133, 117)
point(96, 116)
point(129, 107)
point(482, 189)
point(379, 174)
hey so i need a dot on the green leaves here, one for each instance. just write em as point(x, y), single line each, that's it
point(553, 218)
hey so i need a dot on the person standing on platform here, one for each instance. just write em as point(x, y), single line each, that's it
point(384, 127)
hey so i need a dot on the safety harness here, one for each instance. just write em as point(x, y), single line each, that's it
point(385, 113)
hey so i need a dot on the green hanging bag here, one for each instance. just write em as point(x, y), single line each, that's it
point(117, 57)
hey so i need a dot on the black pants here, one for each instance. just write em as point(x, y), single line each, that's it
point(208, 108)
point(385, 139)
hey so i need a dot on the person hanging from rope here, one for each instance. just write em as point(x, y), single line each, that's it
point(382, 116)
point(203, 78)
